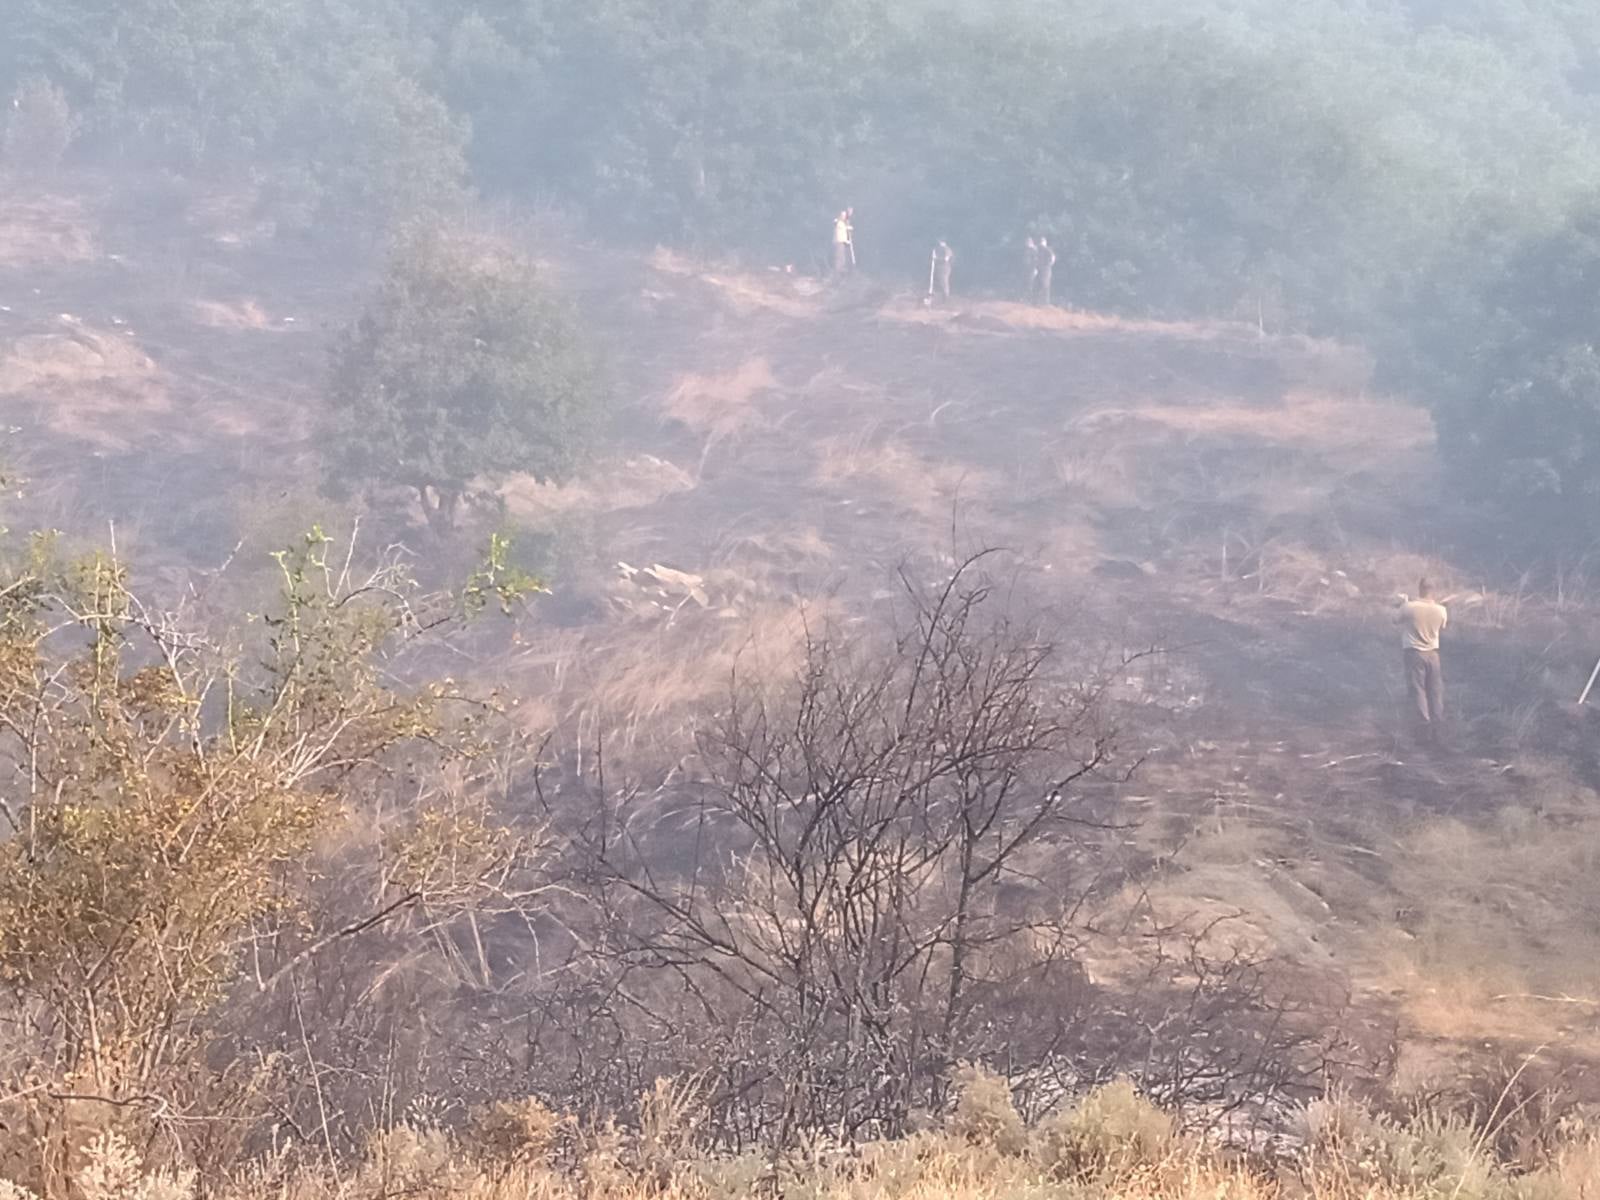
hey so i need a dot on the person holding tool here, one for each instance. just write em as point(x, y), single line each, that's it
point(1047, 270)
point(1422, 621)
point(939, 271)
point(844, 246)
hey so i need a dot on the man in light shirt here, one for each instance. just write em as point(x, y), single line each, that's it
point(939, 277)
point(844, 239)
point(1421, 622)
point(1047, 269)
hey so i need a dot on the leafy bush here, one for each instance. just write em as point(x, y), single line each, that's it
point(464, 367)
point(157, 839)
point(1514, 377)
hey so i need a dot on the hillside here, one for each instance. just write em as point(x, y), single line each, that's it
point(1240, 499)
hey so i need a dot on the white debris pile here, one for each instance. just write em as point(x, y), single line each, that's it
point(658, 590)
point(1162, 685)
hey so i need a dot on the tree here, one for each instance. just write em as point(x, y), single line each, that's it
point(386, 150)
point(1517, 373)
point(463, 368)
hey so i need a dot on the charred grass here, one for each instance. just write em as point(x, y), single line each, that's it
point(1244, 501)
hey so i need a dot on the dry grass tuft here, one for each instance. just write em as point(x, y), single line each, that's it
point(985, 1114)
point(895, 474)
point(1111, 1144)
point(1060, 319)
point(647, 684)
point(1330, 423)
point(240, 314)
point(47, 230)
point(516, 1133)
point(720, 405)
point(75, 357)
point(777, 290)
point(1112, 1131)
point(635, 482)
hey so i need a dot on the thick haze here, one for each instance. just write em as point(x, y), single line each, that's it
point(1389, 172)
point(652, 367)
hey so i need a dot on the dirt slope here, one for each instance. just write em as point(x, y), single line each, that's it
point(1244, 501)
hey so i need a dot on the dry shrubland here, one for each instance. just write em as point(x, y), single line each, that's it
point(260, 900)
point(1110, 1143)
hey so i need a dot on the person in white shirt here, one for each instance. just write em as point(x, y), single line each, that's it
point(1421, 622)
point(939, 276)
point(1047, 270)
point(844, 250)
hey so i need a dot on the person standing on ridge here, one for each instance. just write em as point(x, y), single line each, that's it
point(1421, 621)
point(1047, 267)
point(1030, 263)
point(943, 257)
point(844, 250)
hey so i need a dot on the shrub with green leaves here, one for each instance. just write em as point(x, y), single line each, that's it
point(464, 368)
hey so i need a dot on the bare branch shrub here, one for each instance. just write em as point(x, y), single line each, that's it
point(890, 863)
point(854, 905)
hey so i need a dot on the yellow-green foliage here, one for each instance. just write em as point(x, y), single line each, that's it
point(163, 789)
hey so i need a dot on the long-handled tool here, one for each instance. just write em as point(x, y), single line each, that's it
point(1589, 687)
point(933, 262)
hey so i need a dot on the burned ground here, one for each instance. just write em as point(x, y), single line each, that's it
point(1240, 499)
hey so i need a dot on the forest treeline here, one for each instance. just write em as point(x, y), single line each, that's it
point(1401, 171)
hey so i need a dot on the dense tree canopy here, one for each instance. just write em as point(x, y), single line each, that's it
point(463, 366)
point(1332, 166)
point(1518, 405)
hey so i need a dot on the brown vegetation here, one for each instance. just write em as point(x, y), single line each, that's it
point(1111, 1143)
point(1282, 895)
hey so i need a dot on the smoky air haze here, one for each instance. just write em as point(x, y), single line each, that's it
point(597, 592)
